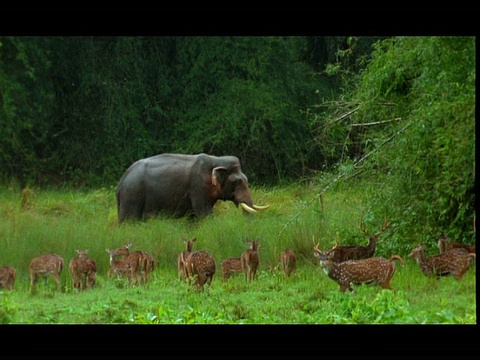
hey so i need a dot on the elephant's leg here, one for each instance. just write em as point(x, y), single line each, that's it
point(200, 206)
point(131, 209)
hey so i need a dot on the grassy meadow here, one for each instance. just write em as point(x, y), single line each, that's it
point(62, 221)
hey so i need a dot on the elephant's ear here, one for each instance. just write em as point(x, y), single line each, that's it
point(218, 175)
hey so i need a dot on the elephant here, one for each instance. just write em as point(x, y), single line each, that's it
point(182, 185)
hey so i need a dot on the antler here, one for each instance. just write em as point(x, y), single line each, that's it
point(385, 226)
point(315, 245)
point(329, 251)
point(362, 225)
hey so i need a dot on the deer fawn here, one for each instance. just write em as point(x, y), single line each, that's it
point(140, 260)
point(131, 264)
point(83, 270)
point(374, 270)
point(44, 265)
point(150, 263)
point(120, 267)
point(199, 268)
point(182, 256)
point(231, 265)
point(444, 245)
point(451, 262)
point(355, 252)
point(250, 260)
point(8, 275)
point(289, 262)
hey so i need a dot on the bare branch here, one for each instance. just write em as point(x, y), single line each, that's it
point(377, 122)
point(347, 114)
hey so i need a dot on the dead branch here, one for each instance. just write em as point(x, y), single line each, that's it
point(377, 122)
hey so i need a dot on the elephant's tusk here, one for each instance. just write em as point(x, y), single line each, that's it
point(258, 207)
point(247, 208)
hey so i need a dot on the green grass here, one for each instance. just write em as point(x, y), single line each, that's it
point(64, 220)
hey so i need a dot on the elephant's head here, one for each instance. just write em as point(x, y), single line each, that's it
point(232, 184)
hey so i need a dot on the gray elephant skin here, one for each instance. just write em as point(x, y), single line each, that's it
point(182, 185)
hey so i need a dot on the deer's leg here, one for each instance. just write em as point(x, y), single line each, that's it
point(56, 277)
point(83, 284)
point(202, 279)
point(459, 274)
point(33, 282)
point(209, 280)
point(386, 285)
point(134, 275)
point(91, 279)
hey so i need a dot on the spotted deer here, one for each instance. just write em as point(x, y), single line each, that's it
point(182, 256)
point(289, 262)
point(454, 263)
point(199, 268)
point(134, 263)
point(230, 266)
point(250, 260)
point(146, 263)
point(374, 270)
point(8, 275)
point(150, 263)
point(141, 260)
point(339, 253)
point(83, 270)
point(43, 266)
point(444, 245)
point(120, 267)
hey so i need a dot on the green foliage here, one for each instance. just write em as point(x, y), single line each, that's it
point(7, 310)
point(408, 123)
point(80, 110)
point(62, 221)
point(398, 142)
point(430, 168)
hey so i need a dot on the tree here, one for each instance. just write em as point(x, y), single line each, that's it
point(418, 92)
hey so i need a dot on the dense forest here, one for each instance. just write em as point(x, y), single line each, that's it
point(77, 111)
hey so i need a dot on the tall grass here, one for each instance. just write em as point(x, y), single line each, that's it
point(61, 221)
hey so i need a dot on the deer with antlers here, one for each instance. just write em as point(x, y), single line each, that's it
point(43, 266)
point(451, 262)
point(8, 275)
point(355, 252)
point(374, 270)
point(83, 270)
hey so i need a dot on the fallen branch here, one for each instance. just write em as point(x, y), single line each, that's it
point(377, 122)
point(343, 116)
